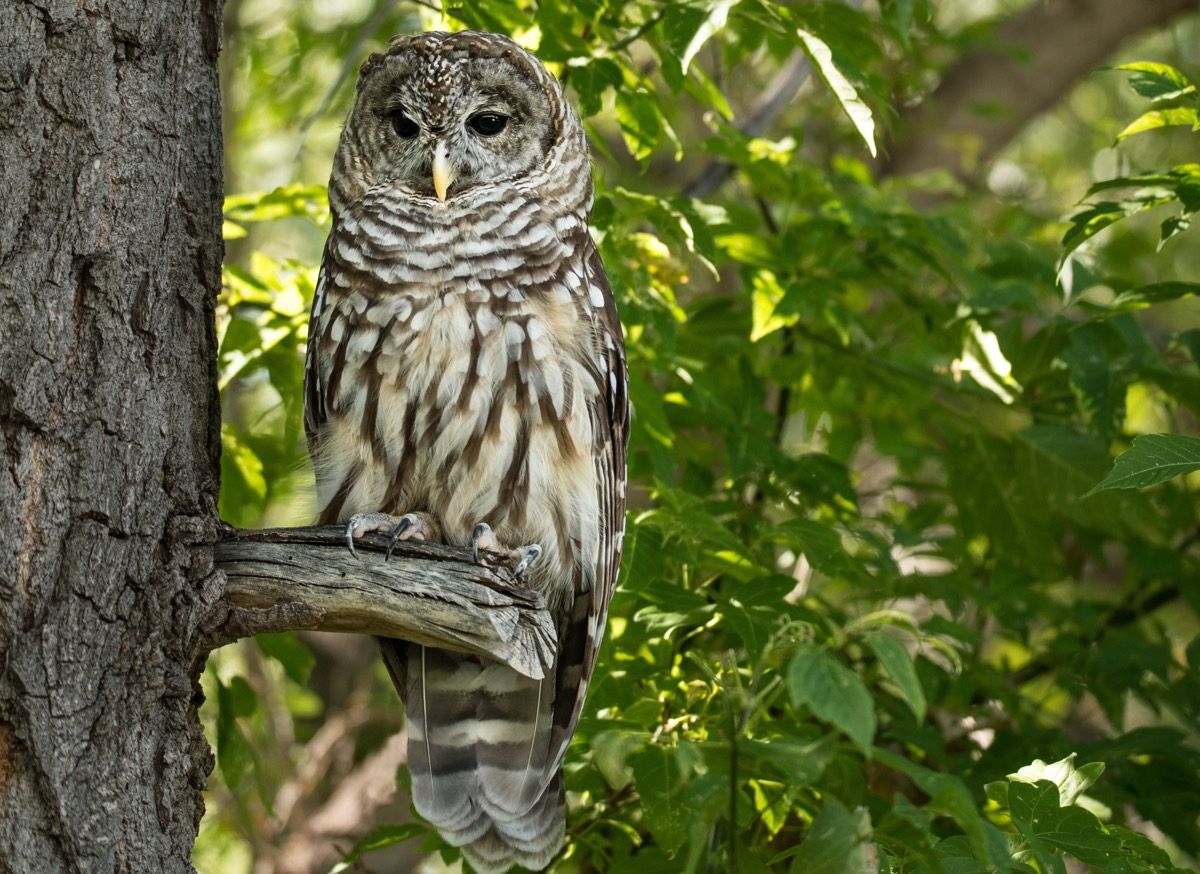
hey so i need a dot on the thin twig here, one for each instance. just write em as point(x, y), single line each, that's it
point(779, 94)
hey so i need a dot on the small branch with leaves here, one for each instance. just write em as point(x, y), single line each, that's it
point(288, 579)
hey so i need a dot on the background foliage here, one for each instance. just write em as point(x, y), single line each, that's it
point(887, 604)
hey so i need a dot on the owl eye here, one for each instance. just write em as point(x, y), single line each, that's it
point(487, 124)
point(404, 126)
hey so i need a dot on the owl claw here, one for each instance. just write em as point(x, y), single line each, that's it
point(531, 554)
point(485, 545)
point(364, 523)
point(412, 526)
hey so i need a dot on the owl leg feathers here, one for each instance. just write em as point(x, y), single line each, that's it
point(487, 549)
point(410, 526)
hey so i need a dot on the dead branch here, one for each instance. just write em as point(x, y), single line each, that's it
point(287, 579)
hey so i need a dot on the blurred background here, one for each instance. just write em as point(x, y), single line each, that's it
point(884, 339)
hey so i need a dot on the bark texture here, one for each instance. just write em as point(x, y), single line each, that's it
point(110, 175)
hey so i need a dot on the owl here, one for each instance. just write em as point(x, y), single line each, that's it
point(466, 383)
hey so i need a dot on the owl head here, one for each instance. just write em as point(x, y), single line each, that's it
point(441, 114)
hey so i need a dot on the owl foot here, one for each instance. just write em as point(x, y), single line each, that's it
point(484, 541)
point(411, 526)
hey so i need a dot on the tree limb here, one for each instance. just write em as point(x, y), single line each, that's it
point(990, 94)
point(304, 578)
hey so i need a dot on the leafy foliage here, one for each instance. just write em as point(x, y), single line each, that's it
point(875, 576)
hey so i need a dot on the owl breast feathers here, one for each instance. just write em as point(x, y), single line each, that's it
point(466, 380)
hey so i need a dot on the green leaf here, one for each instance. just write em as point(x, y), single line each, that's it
point(899, 14)
point(752, 610)
point(235, 756)
point(898, 665)
point(1098, 216)
point(641, 122)
point(378, 838)
point(1157, 81)
point(1048, 827)
point(1156, 293)
point(1071, 781)
point(287, 201)
point(993, 502)
point(947, 795)
point(659, 780)
point(833, 693)
point(610, 755)
point(856, 110)
point(1190, 340)
point(765, 296)
point(591, 80)
point(800, 763)
point(1171, 227)
point(686, 28)
point(1099, 395)
point(1152, 459)
point(820, 543)
point(836, 842)
point(1156, 118)
point(285, 647)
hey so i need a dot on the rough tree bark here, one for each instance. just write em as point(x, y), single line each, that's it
point(110, 252)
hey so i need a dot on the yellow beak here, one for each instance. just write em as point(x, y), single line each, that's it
point(443, 174)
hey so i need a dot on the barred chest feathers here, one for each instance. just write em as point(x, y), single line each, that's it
point(452, 393)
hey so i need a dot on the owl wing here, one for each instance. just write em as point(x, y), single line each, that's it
point(610, 430)
point(314, 390)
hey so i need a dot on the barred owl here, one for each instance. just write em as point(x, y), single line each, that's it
point(466, 383)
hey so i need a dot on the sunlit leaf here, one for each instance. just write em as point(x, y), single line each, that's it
point(1152, 459)
point(1159, 292)
point(1070, 780)
point(1156, 118)
point(1157, 81)
point(687, 27)
point(847, 96)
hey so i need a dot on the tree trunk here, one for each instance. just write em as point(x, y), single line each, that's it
point(110, 250)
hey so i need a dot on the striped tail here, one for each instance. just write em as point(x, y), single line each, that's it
point(479, 751)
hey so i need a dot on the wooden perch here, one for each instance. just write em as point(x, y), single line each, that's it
point(282, 579)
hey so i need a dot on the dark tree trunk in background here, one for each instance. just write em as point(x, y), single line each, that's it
point(110, 192)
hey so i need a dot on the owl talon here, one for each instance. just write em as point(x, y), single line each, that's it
point(364, 523)
point(412, 526)
point(485, 545)
point(483, 538)
point(531, 554)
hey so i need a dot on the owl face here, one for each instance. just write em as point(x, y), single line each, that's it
point(439, 114)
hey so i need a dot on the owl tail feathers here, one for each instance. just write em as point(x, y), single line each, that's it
point(532, 840)
point(479, 752)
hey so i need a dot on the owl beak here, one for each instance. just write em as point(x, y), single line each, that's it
point(443, 173)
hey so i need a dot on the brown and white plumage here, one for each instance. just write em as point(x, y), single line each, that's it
point(465, 363)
